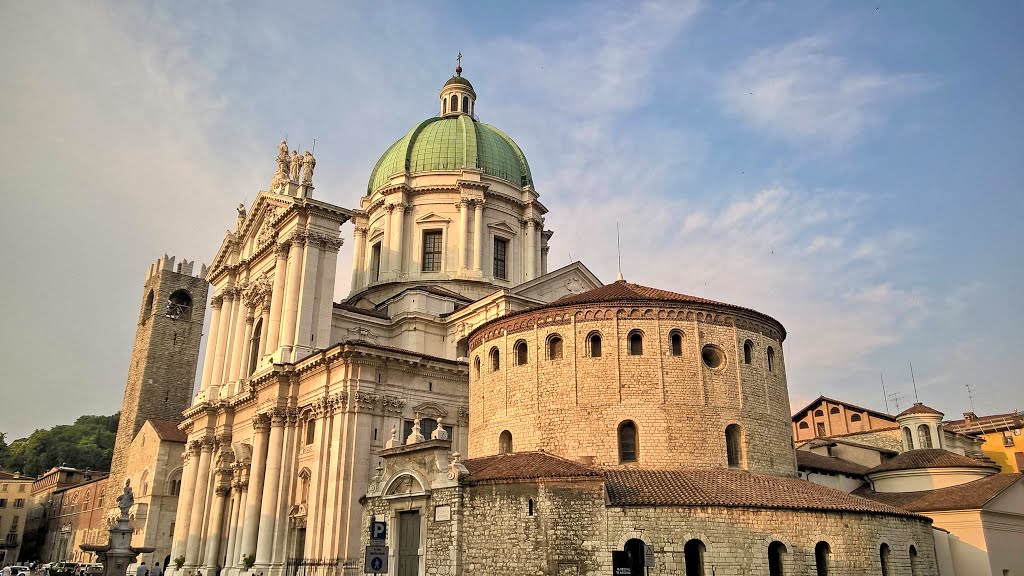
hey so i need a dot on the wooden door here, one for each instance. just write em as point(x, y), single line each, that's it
point(409, 543)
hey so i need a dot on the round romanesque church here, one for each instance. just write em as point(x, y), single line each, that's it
point(483, 414)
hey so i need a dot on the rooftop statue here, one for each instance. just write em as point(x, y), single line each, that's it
point(308, 163)
point(294, 166)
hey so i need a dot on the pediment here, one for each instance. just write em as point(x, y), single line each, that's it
point(430, 410)
point(502, 227)
point(432, 217)
point(404, 484)
point(566, 281)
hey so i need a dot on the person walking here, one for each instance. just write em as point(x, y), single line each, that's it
point(142, 570)
point(156, 571)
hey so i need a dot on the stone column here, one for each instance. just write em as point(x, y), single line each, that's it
point(463, 232)
point(235, 536)
point(186, 494)
point(478, 235)
point(537, 233)
point(385, 248)
point(531, 248)
point(222, 338)
point(243, 326)
point(211, 342)
point(257, 475)
point(304, 337)
point(216, 525)
point(277, 297)
point(271, 482)
point(544, 260)
point(358, 257)
point(195, 525)
point(291, 297)
point(264, 327)
point(326, 312)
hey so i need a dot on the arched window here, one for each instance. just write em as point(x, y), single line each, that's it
point(883, 559)
point(822, 553)
point(179, 305)
point(375, 261)
point(675, 340)
point(636, 343)
point(924, 436)
point(144, 483)
point(804, 426)
point(855, 418)
point(455, 103)
point(505, 442)
point(915, 562)
point(147, 308)
point(771, 359)
point(310, 431)
point(444, 106)
point(554, 347)
point(476, 366)
point(627, 442)
point(693, 554)
point(522, 353)
point(819, 413)
point(634, 550)
point(734, 445)
point(495, 359)
point(254, 346)
point(833, 410)
point(776, 550)
point(748, 351)
point(594, 339)
point(465, 104)
point(908, 438)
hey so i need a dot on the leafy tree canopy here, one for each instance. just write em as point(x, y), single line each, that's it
point(88, 443)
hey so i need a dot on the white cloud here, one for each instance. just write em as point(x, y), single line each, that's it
point(799, 92)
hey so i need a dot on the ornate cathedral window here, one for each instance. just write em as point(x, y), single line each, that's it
point(500, 258)
point(432, 243)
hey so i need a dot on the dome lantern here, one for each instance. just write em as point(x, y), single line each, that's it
point(457, 95)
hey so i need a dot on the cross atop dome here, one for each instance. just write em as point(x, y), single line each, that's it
point(457, 94)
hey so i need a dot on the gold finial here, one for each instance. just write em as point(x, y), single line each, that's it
point(458, 66)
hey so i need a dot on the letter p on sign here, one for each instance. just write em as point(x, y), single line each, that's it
point(378, 530)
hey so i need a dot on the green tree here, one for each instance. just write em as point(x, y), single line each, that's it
point(88, 443)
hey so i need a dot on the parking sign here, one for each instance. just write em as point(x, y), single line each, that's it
point(378, 531)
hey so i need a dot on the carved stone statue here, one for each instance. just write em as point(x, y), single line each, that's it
point(294, 166)
point(127, 499)
point(282, 165)
point(308, 163)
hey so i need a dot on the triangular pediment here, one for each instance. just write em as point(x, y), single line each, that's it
point(566, 281)
point(502, 227)
point(429, 410)
point(432, 217)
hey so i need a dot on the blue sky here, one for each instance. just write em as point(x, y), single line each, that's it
point(852, 169)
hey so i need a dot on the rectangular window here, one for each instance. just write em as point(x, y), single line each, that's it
point(375, 262)
point(3, 488)
point(14, 523)
point(432, 251)
point(3, 502)
point(21, 488)
point(500, 258)
point(427, 427)
point(19, 503)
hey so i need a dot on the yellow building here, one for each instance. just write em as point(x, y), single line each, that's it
point(14, 492)
point(1002, 434)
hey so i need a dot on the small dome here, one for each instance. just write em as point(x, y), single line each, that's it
point(919, 408)
point(458, 80)
point(453, 143)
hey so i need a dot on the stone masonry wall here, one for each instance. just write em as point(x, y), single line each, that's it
point(572, 406)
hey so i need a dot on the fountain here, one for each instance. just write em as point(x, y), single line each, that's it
point(119, 553)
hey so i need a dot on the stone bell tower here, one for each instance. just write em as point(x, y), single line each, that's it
point(162, 369)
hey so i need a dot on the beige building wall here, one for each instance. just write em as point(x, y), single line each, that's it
point(15, 493)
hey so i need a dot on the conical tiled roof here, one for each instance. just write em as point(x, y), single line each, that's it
point(919, 408)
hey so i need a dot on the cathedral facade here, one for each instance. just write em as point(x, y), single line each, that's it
point(501, 418)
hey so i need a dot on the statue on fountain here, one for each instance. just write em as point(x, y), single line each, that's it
point(127, 498)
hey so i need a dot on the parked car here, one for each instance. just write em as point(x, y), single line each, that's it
point(93, 569)
point(15, 571)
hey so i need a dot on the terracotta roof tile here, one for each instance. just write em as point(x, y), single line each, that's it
point(810, 460)
point(731, 488)
point(983, 424)
point(919, 408)
point(969, 496)
point(929, 458)
point(525, 466)
point(168, 430)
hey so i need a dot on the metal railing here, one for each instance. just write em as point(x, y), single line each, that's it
point(313, 566)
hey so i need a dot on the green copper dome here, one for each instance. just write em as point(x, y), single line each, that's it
point(453, 143)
